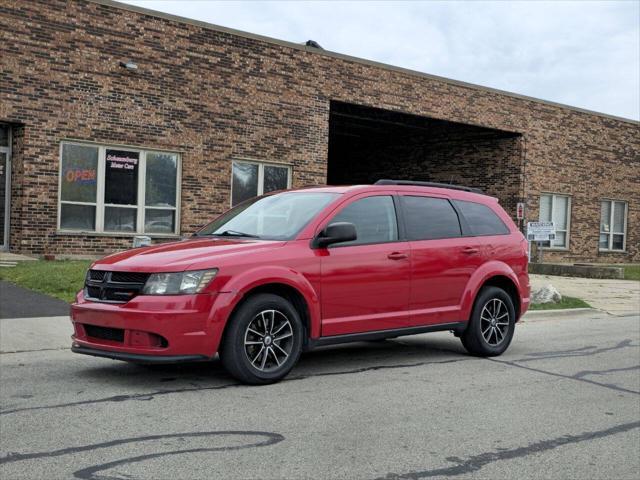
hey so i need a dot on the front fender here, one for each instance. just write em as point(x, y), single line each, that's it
point(238, 286)
point(478, 279)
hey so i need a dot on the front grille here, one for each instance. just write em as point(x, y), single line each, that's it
point(129, 277)
point(113, 287)
point(105, 333)
point(97, 274)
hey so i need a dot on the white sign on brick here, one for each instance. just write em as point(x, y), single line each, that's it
point(541, 231)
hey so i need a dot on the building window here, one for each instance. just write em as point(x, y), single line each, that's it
point(250, 179)
point(118, 190)
point(557, 209)
point(613, 225)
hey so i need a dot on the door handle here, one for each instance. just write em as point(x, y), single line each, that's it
point(469, 250)
point(397, 256)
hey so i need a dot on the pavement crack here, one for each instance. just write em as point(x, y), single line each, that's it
point(576, 352)
point(569, 377)
point(476, 462)
point(89, 473)
point(151, 395)
point(584, 373)
point(271, 438)
point(32, 351)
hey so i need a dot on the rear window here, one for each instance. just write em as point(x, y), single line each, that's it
point(481, 219)
point(428, 218)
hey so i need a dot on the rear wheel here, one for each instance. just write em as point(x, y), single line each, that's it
point(263, 341)
point(492, 323)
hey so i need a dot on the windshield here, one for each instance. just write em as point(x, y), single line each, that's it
point(274, 217)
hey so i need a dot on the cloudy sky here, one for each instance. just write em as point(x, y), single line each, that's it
point(581, 53)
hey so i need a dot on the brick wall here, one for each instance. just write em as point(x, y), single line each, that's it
point(215, 96)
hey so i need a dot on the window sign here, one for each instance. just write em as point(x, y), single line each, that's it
point(79, 173)
point(121, 177)
point(78, 187)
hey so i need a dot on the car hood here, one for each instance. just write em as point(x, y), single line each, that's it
point(184, 255)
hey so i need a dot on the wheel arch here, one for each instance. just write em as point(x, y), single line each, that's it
point(279, 281)
point(285, 291)
point(506, 284)
point(497, 274)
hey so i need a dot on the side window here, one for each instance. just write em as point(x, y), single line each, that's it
point(481, 219)
point(429, 218)
point(374, 219)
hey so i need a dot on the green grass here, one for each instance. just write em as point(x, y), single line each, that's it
point(61, 279)
point(631, 272)
point(566, 302)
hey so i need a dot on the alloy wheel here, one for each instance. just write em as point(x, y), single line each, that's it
point(268, 340)
point(494, 322)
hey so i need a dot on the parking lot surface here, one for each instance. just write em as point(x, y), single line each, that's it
point(563, 402)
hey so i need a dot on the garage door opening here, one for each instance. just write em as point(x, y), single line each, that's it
point(367, 144)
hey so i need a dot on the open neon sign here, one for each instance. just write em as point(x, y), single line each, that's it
point(80, 175)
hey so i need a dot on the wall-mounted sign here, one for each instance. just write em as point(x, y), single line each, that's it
point(520, 210)
point(541, 231)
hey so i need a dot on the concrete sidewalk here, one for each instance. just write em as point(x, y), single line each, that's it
point(617, 297)
point(35, 334)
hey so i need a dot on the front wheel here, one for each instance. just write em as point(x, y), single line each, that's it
point(263, 341)
point(492, 323)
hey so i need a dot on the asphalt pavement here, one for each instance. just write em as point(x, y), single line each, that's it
point(563, 402)
point(18, 302)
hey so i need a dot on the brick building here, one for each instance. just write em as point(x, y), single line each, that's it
point(116, 121)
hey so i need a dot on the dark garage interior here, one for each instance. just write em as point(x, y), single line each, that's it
point(367, 144)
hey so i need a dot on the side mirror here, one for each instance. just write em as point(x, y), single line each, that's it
point(336, 233)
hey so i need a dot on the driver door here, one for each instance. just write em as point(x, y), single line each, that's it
point(365, 283)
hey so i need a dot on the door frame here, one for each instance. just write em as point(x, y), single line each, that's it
point(4, 245)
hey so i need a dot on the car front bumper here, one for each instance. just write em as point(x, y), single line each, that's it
point(152, 329)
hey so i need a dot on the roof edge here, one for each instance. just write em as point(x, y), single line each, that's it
point(328, 53)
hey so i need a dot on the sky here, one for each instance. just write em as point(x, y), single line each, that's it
point(580, 53)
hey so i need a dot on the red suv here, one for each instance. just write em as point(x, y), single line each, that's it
point(292, 270)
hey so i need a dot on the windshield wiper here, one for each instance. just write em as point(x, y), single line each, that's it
point(235, 233)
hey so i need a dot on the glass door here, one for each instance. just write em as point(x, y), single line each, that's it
point(5, 194)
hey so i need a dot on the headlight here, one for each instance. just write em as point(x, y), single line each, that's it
point(178, 283)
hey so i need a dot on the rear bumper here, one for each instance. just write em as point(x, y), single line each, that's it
point(158, 329)
point(138, 358)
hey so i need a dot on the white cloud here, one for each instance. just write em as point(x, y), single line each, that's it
point(585, 54)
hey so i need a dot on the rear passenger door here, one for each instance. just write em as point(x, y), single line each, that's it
point(441, 260)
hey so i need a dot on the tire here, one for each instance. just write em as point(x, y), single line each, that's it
point(263, 340)
point(487, 316)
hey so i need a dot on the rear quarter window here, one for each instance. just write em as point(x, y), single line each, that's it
point(481, 219)
point(429, 218)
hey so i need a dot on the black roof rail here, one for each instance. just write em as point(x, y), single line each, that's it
point(429, 184)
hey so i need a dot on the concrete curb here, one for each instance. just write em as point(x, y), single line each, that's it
point(577, 270)
point(559, 312)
